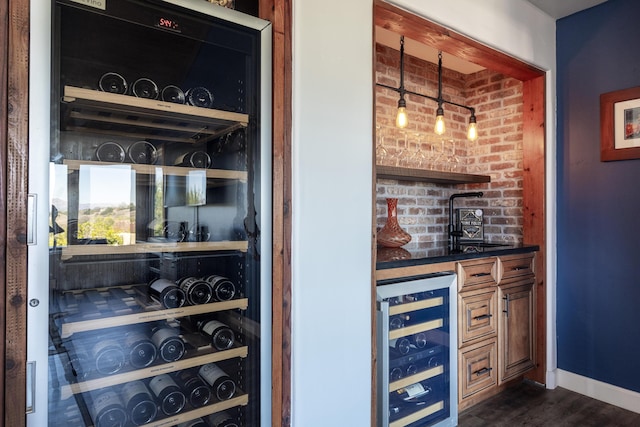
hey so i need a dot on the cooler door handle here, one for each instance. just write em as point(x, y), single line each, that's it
point(32, 207)
point(31, 387)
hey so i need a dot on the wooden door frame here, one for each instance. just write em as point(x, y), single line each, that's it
point(427, 32)
point(279, 12)
point(14, 152)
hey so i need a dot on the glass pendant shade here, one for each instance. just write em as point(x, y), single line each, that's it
point(472, 131)
point(439, 128)
point(401, 118)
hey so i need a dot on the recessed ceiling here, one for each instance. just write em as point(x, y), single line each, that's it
point(427, 53)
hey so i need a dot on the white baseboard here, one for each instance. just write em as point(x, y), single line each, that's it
point(626, 399)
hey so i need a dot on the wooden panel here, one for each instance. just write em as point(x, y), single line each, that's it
point(4, 50)
point(533, 205)
point(17, 149)
point(279, 13)
point(477, 315)
point(477, 273)
point(429, 33)
point(477, 367)
point(517, 342)
point(416, 270)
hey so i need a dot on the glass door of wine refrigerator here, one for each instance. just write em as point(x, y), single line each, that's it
point(149, 264)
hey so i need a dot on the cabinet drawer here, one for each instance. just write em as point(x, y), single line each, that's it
point(477, 368)
point(516, 266)
point(477, 315)
point(476, 273)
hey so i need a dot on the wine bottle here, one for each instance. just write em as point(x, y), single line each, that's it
point(223, 288)
point(145, 88)
point(79, 361)
point(166, 293)
point(419, 340)
point(197, 392)
point(108, 356)
point(418, 392)
point(113, 83)
point(222, 419)
point(167, 393)
point(222, 385)
point(411, 369)
point(106, 409)
point(199, 97)
point(194, 159)
point(400, 345)
point(168, 342)
point(397, 322)
point(395, 374)
point(139, 403)
point(140, 349)
point(173, 94)
point(196, 291)
point(222, 336)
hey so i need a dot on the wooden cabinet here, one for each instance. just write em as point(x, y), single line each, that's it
point(496, 324)
point(516, 291)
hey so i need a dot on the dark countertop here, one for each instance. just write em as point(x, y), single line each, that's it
point(440, 252)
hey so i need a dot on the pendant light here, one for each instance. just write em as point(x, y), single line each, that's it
point(402, 119)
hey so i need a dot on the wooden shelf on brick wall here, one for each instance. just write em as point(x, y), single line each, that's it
point(439, 177)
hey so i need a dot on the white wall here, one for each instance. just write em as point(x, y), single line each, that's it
point(332, 212)
point(332, 184)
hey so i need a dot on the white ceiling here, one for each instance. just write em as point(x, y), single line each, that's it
point(555, 8)
point(560, 8)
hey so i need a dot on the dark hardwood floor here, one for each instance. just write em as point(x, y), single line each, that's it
point(528, 404)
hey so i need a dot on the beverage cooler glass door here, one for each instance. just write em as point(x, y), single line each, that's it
point(417, 346)
point(150, 187)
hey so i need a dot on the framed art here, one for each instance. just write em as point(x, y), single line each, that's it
point(620, 125)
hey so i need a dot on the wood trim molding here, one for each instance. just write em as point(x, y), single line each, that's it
point(533, 205)
point(4, 67)
point(279, 12)
point(14, 207)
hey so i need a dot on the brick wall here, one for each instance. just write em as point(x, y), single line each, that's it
point(423, 207)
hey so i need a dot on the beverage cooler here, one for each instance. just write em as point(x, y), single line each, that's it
point(149, 215)
point(417, 346)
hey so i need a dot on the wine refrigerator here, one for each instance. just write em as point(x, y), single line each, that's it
point(416, 342)
point(149, 215)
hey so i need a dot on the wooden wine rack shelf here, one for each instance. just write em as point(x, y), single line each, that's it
point(241, 400)
point(423, 413)
point(68, 390)
point(153, 315)
point(73, 165)
point(416, 305)
point(117, 114)
point(416, 378)
point(143, 248)
point(414, 329)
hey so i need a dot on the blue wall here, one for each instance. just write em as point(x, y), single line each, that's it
point(598, 288)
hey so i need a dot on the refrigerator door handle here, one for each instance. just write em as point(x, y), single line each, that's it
point(32, 207)
point(31, 387)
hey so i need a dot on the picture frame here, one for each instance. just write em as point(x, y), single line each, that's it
point(620, 125)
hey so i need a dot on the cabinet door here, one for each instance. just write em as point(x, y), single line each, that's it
point(517, 328)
